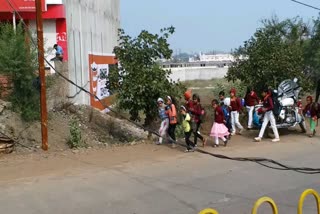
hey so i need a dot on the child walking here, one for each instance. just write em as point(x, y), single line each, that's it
point(164, 120)
point(196, 111)
point(235, 104)
point(172, 114)
point(187, 128)
point(219, 130)
point(310, 112)
point(251, 99)
point(268, 116)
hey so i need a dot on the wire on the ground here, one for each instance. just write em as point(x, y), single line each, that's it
point(261, 161)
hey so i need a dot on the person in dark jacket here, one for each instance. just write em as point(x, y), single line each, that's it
point(196, 112)
point(310, 112)
point(235, 104)
point(268, 116)
point(251, 99)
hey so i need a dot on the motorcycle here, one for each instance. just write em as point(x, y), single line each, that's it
point(288, 110)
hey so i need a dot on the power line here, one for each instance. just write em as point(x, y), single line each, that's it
point(304, 4)
point(261, 161)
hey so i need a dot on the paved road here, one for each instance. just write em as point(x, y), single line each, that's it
point(180, 184)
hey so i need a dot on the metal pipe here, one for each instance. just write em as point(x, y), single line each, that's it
point(81, 48)
point(75, 59)
point(14, 21)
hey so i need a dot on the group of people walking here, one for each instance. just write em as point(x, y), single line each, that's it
point(226, 117)
point(191, 113)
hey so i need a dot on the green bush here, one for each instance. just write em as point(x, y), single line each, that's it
point(75, 139)
point(19, 60)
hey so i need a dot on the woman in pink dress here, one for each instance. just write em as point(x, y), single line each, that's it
point(219, 130)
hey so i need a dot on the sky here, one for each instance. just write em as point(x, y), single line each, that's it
point(207, 25)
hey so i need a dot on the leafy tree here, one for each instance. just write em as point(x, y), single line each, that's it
point(143, 79)
point(18, 60)
point(274, 53)
point(312, 56)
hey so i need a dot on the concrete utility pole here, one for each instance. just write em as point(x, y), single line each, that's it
point(42, 74)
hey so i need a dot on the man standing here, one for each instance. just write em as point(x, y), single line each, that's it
point(59, 52)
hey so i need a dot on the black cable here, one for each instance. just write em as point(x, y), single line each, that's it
point(304, 4)
point(76, 94)
point(260, 161)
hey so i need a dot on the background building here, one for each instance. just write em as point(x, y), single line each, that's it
point(212, 58)
point(54, 21)
point(82, 28)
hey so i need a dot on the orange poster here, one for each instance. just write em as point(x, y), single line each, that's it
point(99, 80)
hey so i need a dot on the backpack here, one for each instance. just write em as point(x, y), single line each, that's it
point(276, 104)
point(243, 102)
point(172, 114)
point(226, 113)
point(255, 120)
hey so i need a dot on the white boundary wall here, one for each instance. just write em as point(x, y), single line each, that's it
point(197, 73)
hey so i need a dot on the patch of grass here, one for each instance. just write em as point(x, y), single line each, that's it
point(203, 83)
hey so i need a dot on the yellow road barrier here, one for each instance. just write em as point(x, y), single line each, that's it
point(208, 211)
point(265, 200)
point(273, 205)
point(303, 197)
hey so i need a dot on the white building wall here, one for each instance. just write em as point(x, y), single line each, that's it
point(49, 36)
point(92, 26)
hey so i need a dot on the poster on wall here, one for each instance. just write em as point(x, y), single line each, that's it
point(99, 80)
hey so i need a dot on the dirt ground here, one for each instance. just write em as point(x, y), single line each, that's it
point(67, 162)
point(98, 130)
